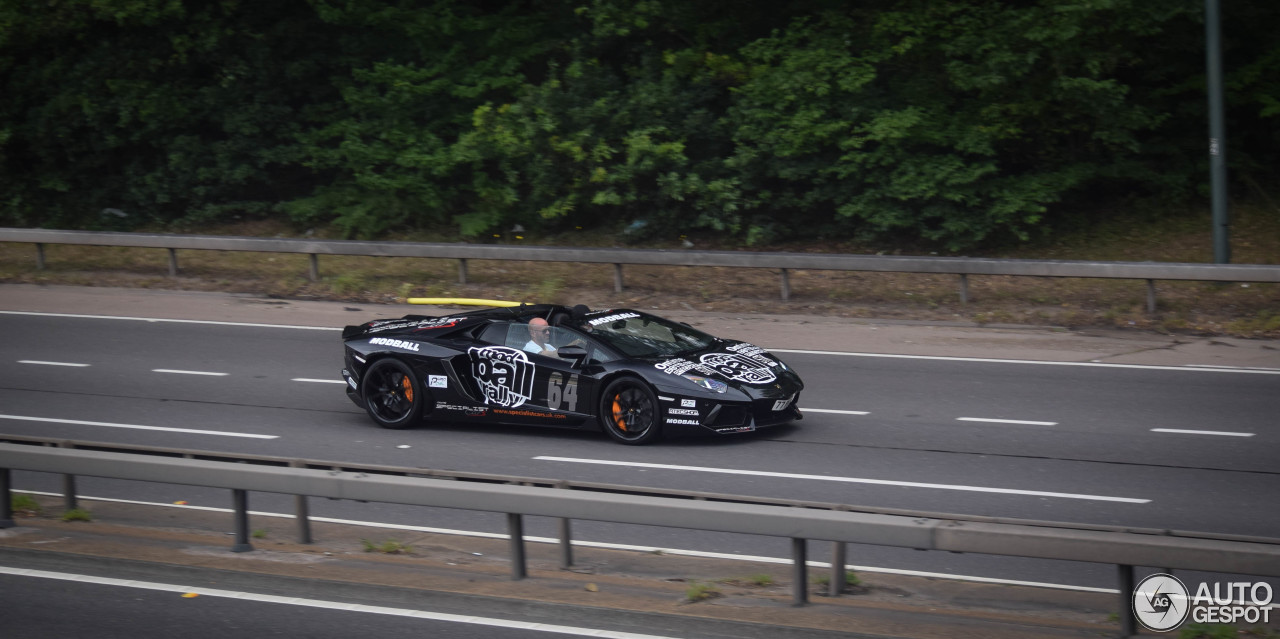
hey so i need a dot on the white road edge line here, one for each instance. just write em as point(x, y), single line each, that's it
point(33, 361)
point(1004, 421)
point(317, 381)
point(604, 545)
point(851, 480)
point(191, 431)
point(175, 321)
point(331, 605)
point(178, 372)
point(838, 412)
point(1188, 368)
point(1200, 432)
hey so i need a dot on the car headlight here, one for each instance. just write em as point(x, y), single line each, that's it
point(708, 383)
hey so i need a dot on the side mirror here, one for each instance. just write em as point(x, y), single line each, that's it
point(576, 353)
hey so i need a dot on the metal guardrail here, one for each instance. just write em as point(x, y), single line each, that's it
point(783, 262)
point(1125, 549)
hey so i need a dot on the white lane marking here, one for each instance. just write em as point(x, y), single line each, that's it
point(330, 605)
point(1189, 367)
point(177, 372)
point(33, 361)
point(1247, 368)
point(850, 480)
point(1150, 367)
point(838, 412)
point(1200, 432)
point(1004, 421)
point(191, 431)
point(175, 321)
point(600, 544)
point(317, 381)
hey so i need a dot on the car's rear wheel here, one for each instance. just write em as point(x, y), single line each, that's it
point(393, 397)
point(629, 412)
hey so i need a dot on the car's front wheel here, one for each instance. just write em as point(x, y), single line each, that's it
point(629, 412)
point(393, 396)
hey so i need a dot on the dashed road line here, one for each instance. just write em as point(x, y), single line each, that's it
point(317, 381)
point(837, 412)
point(1181, 431)
point(190, 431)
point(33, 361)
point(990, 420)
point(178, 372)
point(850, 480)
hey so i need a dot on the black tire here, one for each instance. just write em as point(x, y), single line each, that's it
point(629, 412)
point(393, 397)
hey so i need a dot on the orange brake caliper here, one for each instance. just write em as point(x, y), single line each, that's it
point(617, 413)
point(408, 389)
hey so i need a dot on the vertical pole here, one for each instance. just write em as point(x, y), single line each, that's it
point(799, 572)
point(617, 278)
point(173, 263)
point(1151, 296)
point(240, 503)
point(462, 271)
point(302, 512)
point(39, 257)
point(69, 499)
point(515, 528)
point(836, 586)
point(314, 272)
point(566, 544)
point(964, 289)
point(1217, 134)
point(786, 285)
point(6, 500)
point(1128, 623)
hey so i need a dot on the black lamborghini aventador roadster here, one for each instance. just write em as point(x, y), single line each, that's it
point(633, 374)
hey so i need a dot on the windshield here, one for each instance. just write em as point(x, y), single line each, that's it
point(640, 335)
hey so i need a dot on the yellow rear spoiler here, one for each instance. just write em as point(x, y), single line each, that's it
point(461, 301)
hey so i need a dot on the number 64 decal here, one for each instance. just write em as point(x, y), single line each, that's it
point(566, 393)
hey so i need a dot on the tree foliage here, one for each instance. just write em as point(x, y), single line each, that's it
point(952, 122)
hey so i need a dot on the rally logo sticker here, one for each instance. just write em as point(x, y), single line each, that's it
point(505, 375)
point(739, 367)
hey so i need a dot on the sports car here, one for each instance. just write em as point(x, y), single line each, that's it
point(634, 375)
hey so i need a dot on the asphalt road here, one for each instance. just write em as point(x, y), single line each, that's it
point(1185, 442)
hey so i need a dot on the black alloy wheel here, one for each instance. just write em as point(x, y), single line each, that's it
point(392, 395)
point(629, 412)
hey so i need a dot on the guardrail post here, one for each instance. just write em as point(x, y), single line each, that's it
point(836, 586)
point(566, 544)
point(39, 257)
point(462, 271)
point(799, 572)
point(301, 512)
point(786, 285)
point(964, 289)
point(314, 273)
point(515, 528)
point(6, 500)
point(1128, 623)
point(240, 503)
point(617, 278)
point(69, 498)
point(173, 262)
point(1151, 296)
